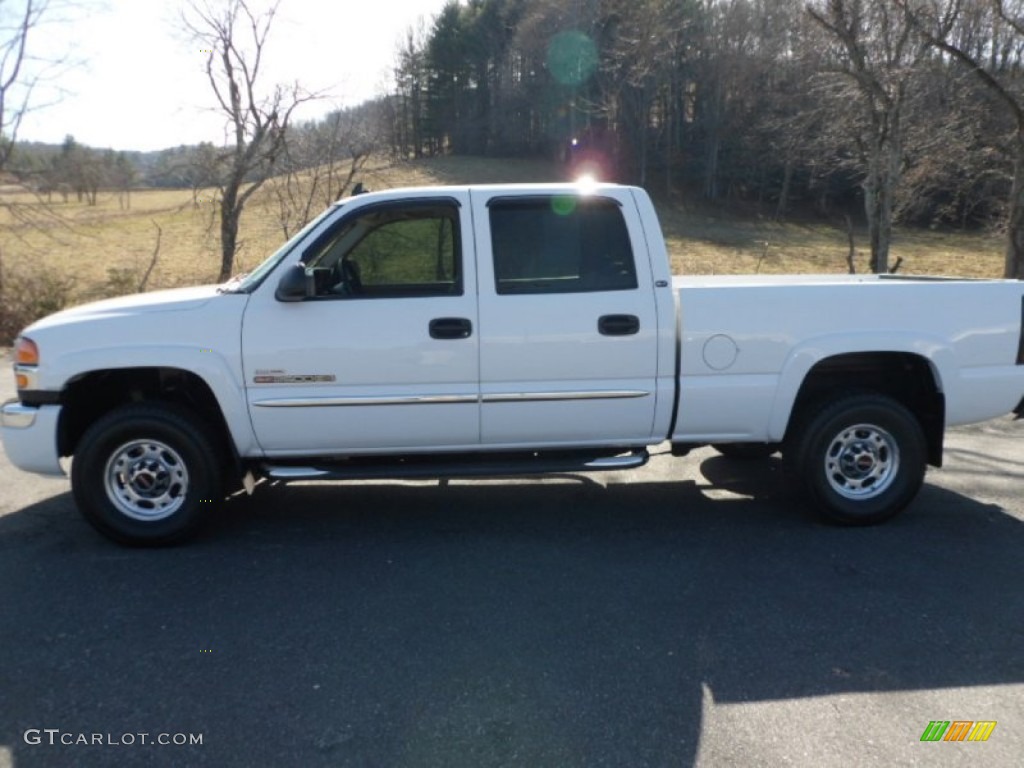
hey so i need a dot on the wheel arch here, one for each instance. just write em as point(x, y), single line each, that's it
point(910, 378)
point(91, 395)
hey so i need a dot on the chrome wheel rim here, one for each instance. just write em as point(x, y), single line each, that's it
point(146, 480)
point(862, 462)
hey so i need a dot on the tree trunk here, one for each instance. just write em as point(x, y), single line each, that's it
point(711, 168)
point(713, 119)
point(228, 230)
point(787, 182)
point(642, 115)
point(879, 193)
point(1014, 265)
point(893, 175)
point(883, 237)
point(871, 213)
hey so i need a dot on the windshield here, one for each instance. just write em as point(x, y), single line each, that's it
point(249, 281)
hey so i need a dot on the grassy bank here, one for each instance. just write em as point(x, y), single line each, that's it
point(105, 249)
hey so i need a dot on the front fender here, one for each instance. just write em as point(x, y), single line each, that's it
point(220, 373)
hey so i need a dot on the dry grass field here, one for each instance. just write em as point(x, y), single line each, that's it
point(105, 249)
point(713, 243)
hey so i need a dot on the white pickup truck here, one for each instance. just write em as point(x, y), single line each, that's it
point(493, 330)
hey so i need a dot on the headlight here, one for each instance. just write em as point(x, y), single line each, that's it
point(26, 358)
point(25, 352)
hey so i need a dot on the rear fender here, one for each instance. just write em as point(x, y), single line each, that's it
point(808, 354)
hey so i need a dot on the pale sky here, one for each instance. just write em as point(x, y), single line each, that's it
point(141, 83)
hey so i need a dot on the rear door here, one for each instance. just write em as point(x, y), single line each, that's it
point(569, 332)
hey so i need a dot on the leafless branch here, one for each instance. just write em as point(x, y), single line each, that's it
point(237, 38)
point(152, 260)
point(851, 253)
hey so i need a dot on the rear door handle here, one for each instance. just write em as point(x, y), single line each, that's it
point(451, 328)
point(618, 325)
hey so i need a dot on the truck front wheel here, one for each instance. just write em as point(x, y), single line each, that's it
point(146, 475)
point(861, 459)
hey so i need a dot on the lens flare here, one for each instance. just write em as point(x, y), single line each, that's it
point(563, 205)
point(572, 57)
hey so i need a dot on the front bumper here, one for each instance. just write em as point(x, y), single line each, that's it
point(30, 437)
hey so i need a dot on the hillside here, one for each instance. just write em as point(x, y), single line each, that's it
point(99, 250)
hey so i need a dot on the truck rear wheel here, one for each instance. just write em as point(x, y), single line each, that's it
point(860, 459)
point(146, 475)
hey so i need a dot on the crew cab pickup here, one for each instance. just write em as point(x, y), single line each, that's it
point(493, 330)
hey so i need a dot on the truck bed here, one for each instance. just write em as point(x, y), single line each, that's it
point(747, 341)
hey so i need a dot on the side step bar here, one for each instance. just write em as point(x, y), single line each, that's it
point(484, 466)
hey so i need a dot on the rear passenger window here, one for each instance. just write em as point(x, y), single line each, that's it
point(560, 244)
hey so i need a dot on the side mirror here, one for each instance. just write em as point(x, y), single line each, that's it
point(294, 284)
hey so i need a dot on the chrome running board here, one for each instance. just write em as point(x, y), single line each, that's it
point(463, 465)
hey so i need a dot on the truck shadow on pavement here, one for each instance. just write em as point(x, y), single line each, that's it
point(557, 623)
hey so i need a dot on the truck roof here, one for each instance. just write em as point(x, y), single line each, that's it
point(540, 188)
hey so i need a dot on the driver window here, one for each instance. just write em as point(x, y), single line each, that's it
point(390, 252)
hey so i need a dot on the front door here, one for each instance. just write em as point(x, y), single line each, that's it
point(384, 357)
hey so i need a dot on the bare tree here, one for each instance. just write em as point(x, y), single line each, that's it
point(321, 161)
point(202, 167)
point(236, 38)
point(409, 98)
point(987, 38)
point(123, 176)
point(15, 89)
point(646, 39)
point(28, 296)
point(22, 77)
point(878, 52)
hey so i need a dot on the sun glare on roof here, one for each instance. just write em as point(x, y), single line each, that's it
point(587, 183)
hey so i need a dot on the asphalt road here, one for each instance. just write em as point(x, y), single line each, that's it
point(690, 613)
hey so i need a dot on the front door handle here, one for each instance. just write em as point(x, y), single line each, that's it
point(618, 325)
point(451, 328)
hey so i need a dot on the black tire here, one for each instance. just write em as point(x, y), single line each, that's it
point(175, 476)
point(746, 451)
point(860, 459)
